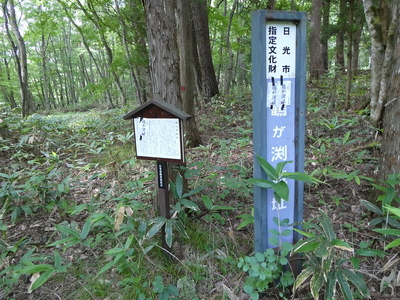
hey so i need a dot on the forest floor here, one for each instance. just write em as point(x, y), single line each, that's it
point(342, 150)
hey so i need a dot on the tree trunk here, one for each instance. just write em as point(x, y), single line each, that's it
point(342, 21)
point(9, 95)
point(325, 34)
point(46, 83)
point(229, 67)
point(163, 50)
point(200, 20)
point(187, 79)
point(349, 54)
point(316, 59)
point(360, 21)
point(382, 23)
point(9, 15)
point(390, 159)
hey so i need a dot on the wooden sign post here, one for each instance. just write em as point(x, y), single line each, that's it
point(159, 136)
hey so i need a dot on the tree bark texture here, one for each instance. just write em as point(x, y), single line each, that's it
point(390, 159)
point(342, 22)
point(26, 96)
point(188, 54)
point(209, 82)
point(163, 50)
point(325, 34)
point(316, 59)
point(382, 20)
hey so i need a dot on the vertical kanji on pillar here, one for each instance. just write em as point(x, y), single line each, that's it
point(278, 53)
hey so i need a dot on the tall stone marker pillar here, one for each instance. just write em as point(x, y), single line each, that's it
point(278, 84)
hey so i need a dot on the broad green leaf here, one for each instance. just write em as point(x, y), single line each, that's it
point(189, 204)
point(114, 251)
point(192, 192)
point(268, 168)
point(274, 232)
point(259, 256)
point(393, 222)
point(388, 231)
point(64, 241)
point(179, 185)
point(286, 232)
point(273, 240)
point(344, 285)
point(248, 288)
point(371, 207)
point(393, 210)
point(42, 279)
point(110, 264)
point(181, 229)
point(247, 219)
point(148, 249)
point(307, 234)
point(85, 229)
point(159, 222)
point(5, 175)
point(128, 241)
point(356, 281)
point(375, 221)
point(328, 260)
point(302, 277)
point(223, 207)
point(305, 245)
point(389, 195)
point(301, 177)
point(68, 231)
point(393, 244)
point(337, 243)
point(280, 166)
point(208, 203)
point(370, 252)
point(330, 290)
point(57, 260)
point(379, 187)
point(327, 227)
point(355, 261)
point(142, 229)
point(316, 283)
point(35, 269)
point(322, 250)
point(281, 188)
point(266, 184)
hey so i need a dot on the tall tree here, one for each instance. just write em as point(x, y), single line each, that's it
point(381, 16)
point(20, 56)
point(382, 20)
point(163, 50)
point(340, 33)
point(209, 84)
point(349, 53)
point(316, 59)
point(325, 34)
point(188, 54)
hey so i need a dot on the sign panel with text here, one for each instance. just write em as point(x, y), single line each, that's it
point(278, 53)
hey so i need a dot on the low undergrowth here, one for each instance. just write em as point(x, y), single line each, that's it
point(79, 217)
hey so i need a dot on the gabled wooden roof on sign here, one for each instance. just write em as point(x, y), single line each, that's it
point(160, 104)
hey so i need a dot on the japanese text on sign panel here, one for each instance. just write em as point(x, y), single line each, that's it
point(281, 70)
point(281, 66)
point(158, 138)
